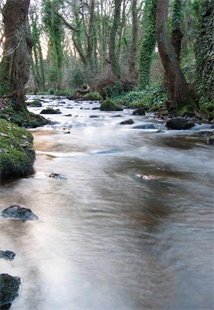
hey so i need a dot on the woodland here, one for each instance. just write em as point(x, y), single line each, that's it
point(126, 222)
point(155, 54)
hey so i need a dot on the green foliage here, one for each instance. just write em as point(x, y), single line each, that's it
point(152, 98)
point(205, 55)
point(54, 29)
point(51, 91)
point(93, 96)
point(147, 45)
point(35, 103)
point(117, 89)
point(110, 105)
point(114, 90)
point(61, 92)
point(22, 118)
point(77, 78)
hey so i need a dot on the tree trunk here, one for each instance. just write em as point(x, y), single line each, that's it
point(178, 92)
point(177, 34)
point(133, 53)
point(15, 65)
point(115, 68)
point(148, 45)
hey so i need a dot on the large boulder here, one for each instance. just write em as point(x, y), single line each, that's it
point(109, 105)
point(9, 287)
point(139, 111)
point(16, 151)
point(179, 123)
point(19, 212)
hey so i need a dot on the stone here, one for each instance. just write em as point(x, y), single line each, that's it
point(179, 123)
point(16, 151)
point(139, 111)
point(9, 255)
point(57, 176)
point(19, 212)
point(50, 111)
point(145, 126)
point(9, 290)
point(109, 105)
point(127, 122)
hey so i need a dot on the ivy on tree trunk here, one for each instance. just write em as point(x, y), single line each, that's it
point(115, 67)
point(176, 84)
point(15, 64)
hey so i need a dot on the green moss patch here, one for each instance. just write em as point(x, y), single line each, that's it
point(16, 151)
point(109, 105)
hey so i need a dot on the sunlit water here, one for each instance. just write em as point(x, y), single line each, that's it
point(129, 225)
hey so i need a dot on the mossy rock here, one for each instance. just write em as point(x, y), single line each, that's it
point(109, 105)
point(93, 96)
point(9, 290)
point(35, 103)
point(16, 151)
point(23, 118)
point(50, 111)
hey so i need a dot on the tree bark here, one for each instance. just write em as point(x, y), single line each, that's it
point(133, 53)
point(177, 34)
point(115, 68)
point(176, 85)
point(15, 64)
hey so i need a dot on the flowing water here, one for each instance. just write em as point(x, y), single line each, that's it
point(127, 225)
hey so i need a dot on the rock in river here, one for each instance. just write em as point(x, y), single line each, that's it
point(50, 111)
point(19, 212)
point(7, 254)
point(179, 123)
point(9, 290)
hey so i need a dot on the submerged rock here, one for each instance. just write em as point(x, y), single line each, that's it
point(57, 176)
point(145, 126)
point(9, 287)
point(179, 123)
point(19, 212)
point(9, 255)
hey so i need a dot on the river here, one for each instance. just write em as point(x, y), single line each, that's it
point(128, 224)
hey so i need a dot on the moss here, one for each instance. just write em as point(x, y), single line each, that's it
point(16, 151)
point(187, 111)
point(93, 96)
point(23, 117)
point(109, 105)
point(35, 103)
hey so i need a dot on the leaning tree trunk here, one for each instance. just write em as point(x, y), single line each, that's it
point(15, 64)
point(177, 88)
